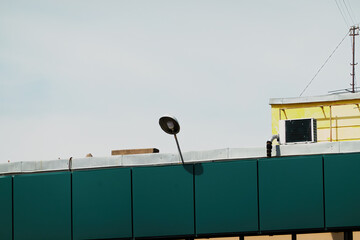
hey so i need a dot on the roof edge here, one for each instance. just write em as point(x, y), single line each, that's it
point(161, 159)
point(314, 99)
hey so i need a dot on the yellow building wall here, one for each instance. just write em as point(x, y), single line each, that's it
point(336, 121)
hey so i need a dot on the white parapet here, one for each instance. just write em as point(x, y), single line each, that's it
point(156, 159)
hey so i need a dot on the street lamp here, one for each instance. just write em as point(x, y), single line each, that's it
point(171, 126)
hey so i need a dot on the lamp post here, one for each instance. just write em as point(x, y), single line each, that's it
point(171, 126)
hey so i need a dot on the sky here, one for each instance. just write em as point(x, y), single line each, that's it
point(92, 76)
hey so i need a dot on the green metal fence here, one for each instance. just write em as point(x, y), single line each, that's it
point(239, 197)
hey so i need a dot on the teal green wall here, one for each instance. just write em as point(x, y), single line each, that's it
point(254, 196)
point(5, 208)
point(163, 201)
point(42, 206)
point(102, 203)
point(342, 190)
point(291, 193)
point(226, 197)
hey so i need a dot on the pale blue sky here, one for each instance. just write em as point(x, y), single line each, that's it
point(92, 76)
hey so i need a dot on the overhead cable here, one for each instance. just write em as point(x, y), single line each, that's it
point(347, 24)
point(352, 13)
point(348, 12)
point(324, 64)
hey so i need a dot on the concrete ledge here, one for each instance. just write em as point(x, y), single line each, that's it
point(96, 162)
point(249, 152)
point(150, 159)
point(34, 166)
point(196, 156)
point(322, 98)
point(174, 158)
point(349, 146)
point(6, 168)
point(307, 149)
point(41, 166)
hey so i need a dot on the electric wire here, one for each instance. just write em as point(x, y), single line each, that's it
point(352, 12)
point(348, 12)
point(347, 24)
point(324, 64)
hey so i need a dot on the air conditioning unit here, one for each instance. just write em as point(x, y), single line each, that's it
point(298, 131)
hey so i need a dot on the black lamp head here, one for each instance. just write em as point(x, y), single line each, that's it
point(169, 124)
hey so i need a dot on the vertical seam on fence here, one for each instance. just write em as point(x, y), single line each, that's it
point(132, 203)
point(258, 194)
point(323, 172)
point(71, 205)
point(194, 199)
point(12, 206)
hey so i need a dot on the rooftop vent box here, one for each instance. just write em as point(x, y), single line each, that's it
point(298, 131)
